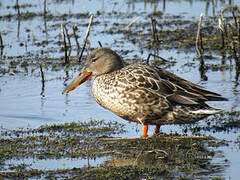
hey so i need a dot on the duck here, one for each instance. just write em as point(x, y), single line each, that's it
point(143, 93)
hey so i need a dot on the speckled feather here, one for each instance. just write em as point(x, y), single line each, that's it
point(150, 95)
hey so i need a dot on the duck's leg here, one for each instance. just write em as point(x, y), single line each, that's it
point(157, 129)
point(145, 130)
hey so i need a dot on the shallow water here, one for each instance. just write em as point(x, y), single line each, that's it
point(23, 104)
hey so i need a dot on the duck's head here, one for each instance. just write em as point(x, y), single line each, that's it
point(100, 61)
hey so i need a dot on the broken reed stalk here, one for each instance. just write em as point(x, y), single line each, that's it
point(18, 18)
point(154, 55)
point(202, 69)
point(154, 29)
point(223, 43)
point(1, 42)
point(149, 55)
point(1, 45)
point(18, 9)
point(65, 44)
point(74, 28)
point(201, 41)
point(198, 38)
point(43, 79)
point(26, 46)
point(131, 23)
point(238, 21)
point(224, 24)
point(221, 28)
point(86, 37)
point(231, 42)
point(235, 19)
point(45, 8)
point(100, 44)
point(237, 70)
point(69, 41)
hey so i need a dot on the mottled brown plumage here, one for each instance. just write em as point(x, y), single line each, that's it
point(143, 93)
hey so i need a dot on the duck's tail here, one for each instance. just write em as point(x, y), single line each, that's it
point(183, 115)
point(208, 111)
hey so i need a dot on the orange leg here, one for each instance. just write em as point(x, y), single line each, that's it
point(145, 131)
point(157, 129)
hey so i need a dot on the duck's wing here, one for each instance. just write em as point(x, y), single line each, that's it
point(170, 86)
point(189, 89)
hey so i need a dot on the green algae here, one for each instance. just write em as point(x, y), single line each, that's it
point(158, 156)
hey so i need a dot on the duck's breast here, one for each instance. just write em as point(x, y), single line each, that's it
point(112, 94)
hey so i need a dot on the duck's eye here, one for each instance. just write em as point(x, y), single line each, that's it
point(94, 59)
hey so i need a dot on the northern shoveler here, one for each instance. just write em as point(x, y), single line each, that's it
point(142, 93)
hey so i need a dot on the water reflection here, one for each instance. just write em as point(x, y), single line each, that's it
point(237, 69)
point(18, 18)
point(43, 81)
point(1, 45)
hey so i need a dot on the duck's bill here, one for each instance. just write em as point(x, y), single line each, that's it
point(81, 78)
